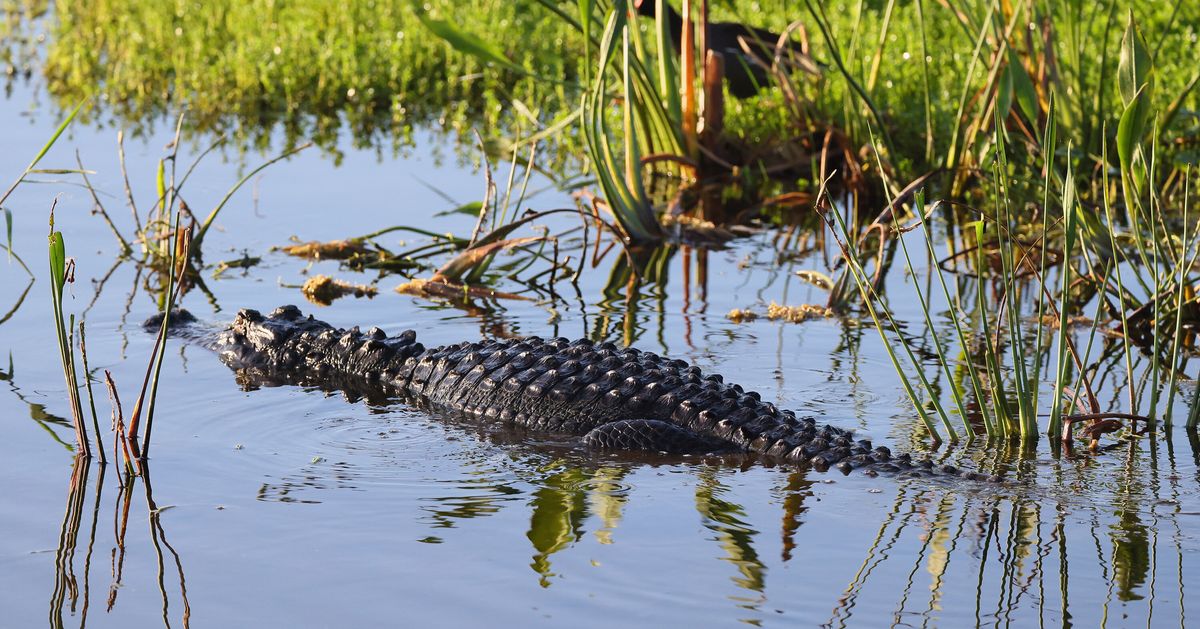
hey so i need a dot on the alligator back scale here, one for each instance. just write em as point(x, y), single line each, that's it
point(613, 398)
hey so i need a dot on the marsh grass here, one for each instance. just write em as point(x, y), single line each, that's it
point(134, 445)
point(1009, 348)
point(311, 70)
point(929, 81)
point(649, 123)
point(1054, 248)
point(169, 243)
point(657, 94)
point(474, 267)
point(1055, 136)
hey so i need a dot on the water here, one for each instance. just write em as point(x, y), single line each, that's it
point(290, 507)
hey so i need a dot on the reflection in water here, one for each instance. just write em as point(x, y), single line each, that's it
point(158, 536)
point(37, 411)
point(66, 586)
point(5, 316)
point(735, 535)
point(944, 554)
point(643, 270)
point(72, 593)
point(562, 504)
point(485, 497)
point(608, 497)
point(797, 489)
point(1020, 555)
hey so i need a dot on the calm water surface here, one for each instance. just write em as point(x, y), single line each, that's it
point(289, 507)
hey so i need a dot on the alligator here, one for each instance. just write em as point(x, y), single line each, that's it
point(614, 398)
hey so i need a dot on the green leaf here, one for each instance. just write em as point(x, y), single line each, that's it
point(1135, 79)
point(1130, 130)
point(470, 209)
point(1023, 90)
point(161, 182)
point(57, 132)
point(58, 264)
point(1135, 67)
point(60, 171)
point(1004, 91)
point(467, 43)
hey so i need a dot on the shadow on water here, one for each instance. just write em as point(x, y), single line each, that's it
point(72, 594)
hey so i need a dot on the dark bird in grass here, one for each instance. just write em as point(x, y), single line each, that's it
point(748, 51)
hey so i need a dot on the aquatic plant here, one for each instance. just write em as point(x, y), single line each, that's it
point(134, 444)
point(928, 80)
point(1133, 277)
point(170, 245)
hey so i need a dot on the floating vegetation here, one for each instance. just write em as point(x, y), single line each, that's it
point(741, 315)
point(780, 312)
point(797, 314)
point(435, 288)
point(699, 231)
point(323, 290)
point(332, 250)
point(245, 263)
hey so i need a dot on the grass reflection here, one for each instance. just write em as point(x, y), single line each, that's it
point(728, 521)
point(562, 504)
point(71, 594)
point(485, 497)
point(1026, 553)
point(312, 69)
point(37, 411)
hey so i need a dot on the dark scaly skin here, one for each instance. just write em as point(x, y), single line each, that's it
point(614, 398)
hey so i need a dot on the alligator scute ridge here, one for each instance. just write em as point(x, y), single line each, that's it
point(614, 398)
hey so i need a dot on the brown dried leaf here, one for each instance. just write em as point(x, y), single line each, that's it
point(460, 264)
